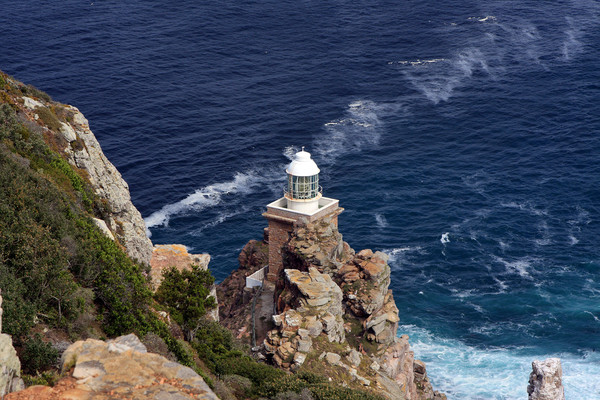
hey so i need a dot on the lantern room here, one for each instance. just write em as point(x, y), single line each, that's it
point(303, 191)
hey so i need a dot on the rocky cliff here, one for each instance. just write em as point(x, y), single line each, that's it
point(122, 219)
point(334, 314)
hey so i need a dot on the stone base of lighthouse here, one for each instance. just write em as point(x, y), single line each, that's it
point(282, 221)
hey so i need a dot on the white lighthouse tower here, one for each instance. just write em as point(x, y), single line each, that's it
point(302, 201)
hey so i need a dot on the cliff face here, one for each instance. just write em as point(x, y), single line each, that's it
point(74, 139)
point(335, 314)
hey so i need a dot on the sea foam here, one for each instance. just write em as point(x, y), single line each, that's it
point(466, 372)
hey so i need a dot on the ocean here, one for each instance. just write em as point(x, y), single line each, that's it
point(461, 137)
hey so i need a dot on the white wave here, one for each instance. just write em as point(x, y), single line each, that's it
point(418, 61)
point(595, 318)
point(572, 44)
point(462, 293)
point(360, 126)
point(381, 220)
point(397, 256)
point(445, 238)
point(503, 286)
point(573, 240)
point(487, 18)
point(466, 372)
point(438, 82)
point(526, 206)
point(209, 196)
point(290, 151)
point(522, 267)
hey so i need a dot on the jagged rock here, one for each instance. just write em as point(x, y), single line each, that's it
point(68, 132)
point(314, 293)
point(375, 366)
point(365, 282)
point(103, 227)
point(397, 363)
point(10, 366)
point(31, 103)
point(383, 323)
point(317, 244)
point(354, 357)
point(545, 381)
point(314, 326)
point(299, 358)
point(304, 345)
point(338, 292)
point(123, 372)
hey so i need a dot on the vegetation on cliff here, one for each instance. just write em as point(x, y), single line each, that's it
point(57, 269)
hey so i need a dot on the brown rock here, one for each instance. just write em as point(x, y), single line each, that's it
point(118, 367)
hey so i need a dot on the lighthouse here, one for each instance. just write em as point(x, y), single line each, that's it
point(302, 202)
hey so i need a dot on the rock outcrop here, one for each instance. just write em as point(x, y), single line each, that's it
point(334, 313)
point(78, 144)
point(119, 369)
point(545, 381)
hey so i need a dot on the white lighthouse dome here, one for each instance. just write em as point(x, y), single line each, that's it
point(302, 165)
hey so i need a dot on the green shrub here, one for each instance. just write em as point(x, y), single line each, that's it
point(187, 295)
point(318, 386)
point(46, 378)
point(32, 91)
point(49, 118)
point(37, 355)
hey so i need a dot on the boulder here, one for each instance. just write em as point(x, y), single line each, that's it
point(545, 381)
point(120, 368)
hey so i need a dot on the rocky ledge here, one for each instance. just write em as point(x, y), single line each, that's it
point(119, 369)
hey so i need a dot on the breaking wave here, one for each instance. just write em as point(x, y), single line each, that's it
point(470, 373)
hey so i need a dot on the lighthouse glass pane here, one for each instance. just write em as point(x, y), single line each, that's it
point(303, 187)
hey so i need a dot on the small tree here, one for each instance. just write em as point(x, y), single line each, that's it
point(186, 294)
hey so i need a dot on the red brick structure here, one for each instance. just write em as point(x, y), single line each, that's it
point(281, 223)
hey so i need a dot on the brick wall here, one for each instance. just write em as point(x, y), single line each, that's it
point(279, 234)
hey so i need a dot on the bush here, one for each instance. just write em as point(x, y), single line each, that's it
point(37, 355)
point(318, 386)
point(49, 118)
point(186, 294)
point(46, 378)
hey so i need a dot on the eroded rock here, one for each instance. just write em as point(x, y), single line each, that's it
point(545, 381)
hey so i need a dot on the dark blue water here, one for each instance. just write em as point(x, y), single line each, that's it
point(462, 138)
